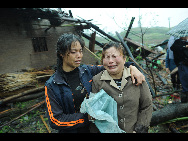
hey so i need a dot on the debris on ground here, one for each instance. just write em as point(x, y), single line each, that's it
point(22, 109)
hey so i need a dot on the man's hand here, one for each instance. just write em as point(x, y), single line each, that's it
point(167, 70)
point(90, 117)
point(135, 73)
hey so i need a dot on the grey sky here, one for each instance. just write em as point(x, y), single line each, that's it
point(150, 16)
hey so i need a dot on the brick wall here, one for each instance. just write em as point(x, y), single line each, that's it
point(16, 48)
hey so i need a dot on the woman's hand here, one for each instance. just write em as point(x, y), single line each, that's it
point(135, 73)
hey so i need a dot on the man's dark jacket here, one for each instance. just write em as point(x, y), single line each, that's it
point(180, 51)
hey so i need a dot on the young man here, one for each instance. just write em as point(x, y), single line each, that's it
point(180, 50)
point(70, 84)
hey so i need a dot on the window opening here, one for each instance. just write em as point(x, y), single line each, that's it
point(39, 44)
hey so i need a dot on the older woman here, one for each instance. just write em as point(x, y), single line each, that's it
point(134, 102)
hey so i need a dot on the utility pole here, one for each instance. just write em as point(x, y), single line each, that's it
point(169, 22)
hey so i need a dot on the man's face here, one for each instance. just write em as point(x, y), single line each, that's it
point(72, 59)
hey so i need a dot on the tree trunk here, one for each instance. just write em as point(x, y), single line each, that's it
point(169, 112)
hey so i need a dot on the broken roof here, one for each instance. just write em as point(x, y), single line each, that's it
point(38, 13)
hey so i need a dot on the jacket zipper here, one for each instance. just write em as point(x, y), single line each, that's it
point(124, 123)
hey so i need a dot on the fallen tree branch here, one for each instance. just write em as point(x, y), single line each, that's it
point(13, 111)
point(43, 77)
point(34, 107)
point(173, 129)
point(170, 111)
point(27, 97)
point(5, 100)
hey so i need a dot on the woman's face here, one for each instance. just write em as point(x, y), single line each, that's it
point(113, 61)
point(72, 59)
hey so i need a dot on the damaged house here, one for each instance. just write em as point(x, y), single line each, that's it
point(28, 37)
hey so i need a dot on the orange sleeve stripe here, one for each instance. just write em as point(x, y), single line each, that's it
point(54, 120)
point(97, 65)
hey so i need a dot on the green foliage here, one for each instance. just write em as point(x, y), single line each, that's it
point(138, 58)
point(6, 129)
point(176, 119)
point(99, 54)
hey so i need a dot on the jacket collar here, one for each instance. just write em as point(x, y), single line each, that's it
point(58, 78)
point(61, 79)
point(126, 73)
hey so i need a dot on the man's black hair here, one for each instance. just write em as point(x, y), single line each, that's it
point(64, 46)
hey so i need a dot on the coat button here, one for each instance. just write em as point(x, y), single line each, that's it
point(120, 95)
point(121, 120)
point(121, 107)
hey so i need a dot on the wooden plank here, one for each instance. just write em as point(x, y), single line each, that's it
point(92, 42)
point(138, 45)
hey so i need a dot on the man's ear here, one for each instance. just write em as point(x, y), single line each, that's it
point(61, 55)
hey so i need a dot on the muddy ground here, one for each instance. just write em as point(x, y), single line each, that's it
point(32, 122)
point(36, 120)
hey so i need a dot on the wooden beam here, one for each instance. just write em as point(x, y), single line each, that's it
point(5, 100)
point(138, 45)
point(92, 42)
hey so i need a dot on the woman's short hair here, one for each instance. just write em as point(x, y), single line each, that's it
point(117, 45)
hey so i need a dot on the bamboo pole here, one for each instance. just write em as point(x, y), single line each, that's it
point(49, 131)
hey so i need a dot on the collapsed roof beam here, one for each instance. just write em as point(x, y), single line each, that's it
point(159, 44)
point(92, 25)
point(96, 42)
point(130, 26)
point(102, 32)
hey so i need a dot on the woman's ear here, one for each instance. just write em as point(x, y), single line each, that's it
point(124, 59)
